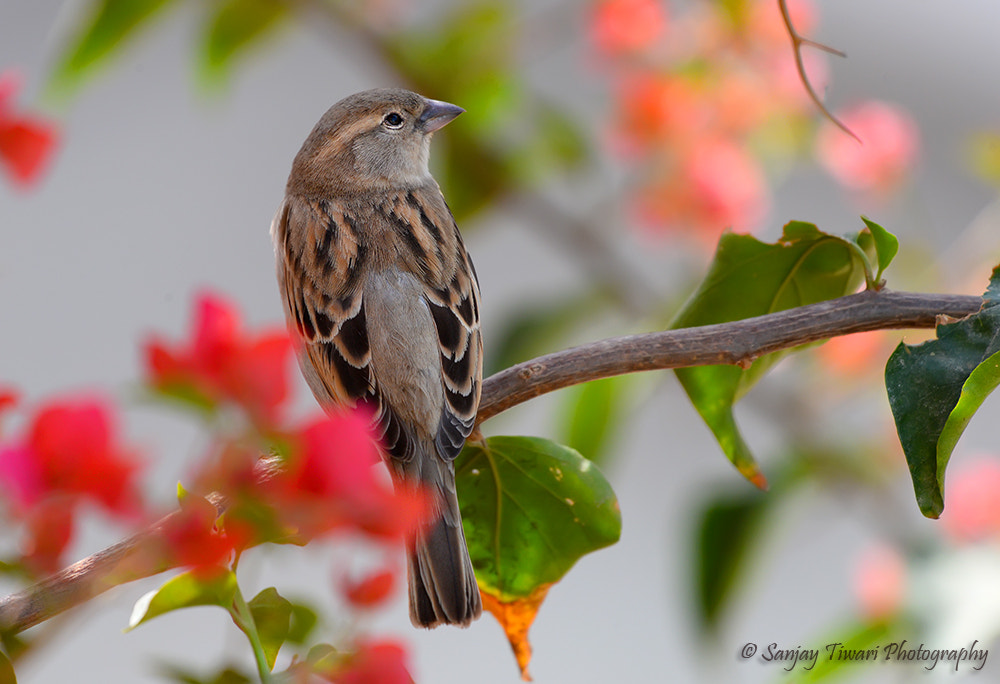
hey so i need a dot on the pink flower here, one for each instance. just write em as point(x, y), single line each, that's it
point(880, 582)
point(890, 142)
point(973, 509)
point(624, 26)
point(715, 185)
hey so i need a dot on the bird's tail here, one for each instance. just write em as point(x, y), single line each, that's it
point(443, 588)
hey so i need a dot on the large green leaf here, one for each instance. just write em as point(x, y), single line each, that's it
point(934, 389)
point(109, 25)
point(186, 590)
point(751, 278)
point(531, 509)
point(235, 26)
point(272, 615)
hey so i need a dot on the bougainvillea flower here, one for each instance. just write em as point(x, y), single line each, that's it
point(328, 482)
point(26, 142)
point(375, 662)
point(622, 26)
point(369, 591)
point(194, 540)
point(222, 362)
point(71, 448)
point(69, 455)
point(890, 141)
point(321, 479)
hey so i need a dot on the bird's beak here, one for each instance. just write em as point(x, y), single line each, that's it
point(436, 114)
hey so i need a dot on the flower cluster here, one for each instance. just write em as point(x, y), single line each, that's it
point(264, 477)
point(70, 454)
point(708, 98)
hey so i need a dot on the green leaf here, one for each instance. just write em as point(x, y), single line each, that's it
point(7, 675)
point(750, 278)
point(234, 28)
point(724, 534)
point(886, 246)
point(844, 651)
point(111, 24)
point(228, 675)
point(591, 414)
point(934, 389)
point(303, 622)
point(185, 591)
point(272, 615)
point(531, 509)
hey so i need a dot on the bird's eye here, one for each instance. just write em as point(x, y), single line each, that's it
point(392, 120)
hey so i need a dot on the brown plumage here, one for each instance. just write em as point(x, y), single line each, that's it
point(378, 287)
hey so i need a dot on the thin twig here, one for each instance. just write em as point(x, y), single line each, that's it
point(737, 342)
point(797, 42)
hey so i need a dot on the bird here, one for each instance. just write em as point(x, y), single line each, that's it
point(383, 300)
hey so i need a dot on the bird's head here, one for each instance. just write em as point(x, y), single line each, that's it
point(371, 140)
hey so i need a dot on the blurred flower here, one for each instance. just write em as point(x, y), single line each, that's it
point(375, 662)
point(854, 356)
point(371, 590)
point(880, 582)
point(623, 26)
point(716, 186)
point(26, 142)
point(702, 114)
point(885, 156)
point(70, 455)
point(323, 481)
point(194, 540)
point(8, 400)
point(973, 510)
point(328, 481)
point(223, 362)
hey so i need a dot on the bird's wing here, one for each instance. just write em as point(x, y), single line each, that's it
point(321, 265)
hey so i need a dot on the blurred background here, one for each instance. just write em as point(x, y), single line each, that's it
point(605, 147)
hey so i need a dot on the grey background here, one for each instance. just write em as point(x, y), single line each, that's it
point(160, 190)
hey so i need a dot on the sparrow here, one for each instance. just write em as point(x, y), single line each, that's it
point(380, 292)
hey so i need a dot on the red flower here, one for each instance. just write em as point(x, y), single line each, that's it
point(623, 26)
point(26, 143)
point(194, 540)
point(71, 448)
point(375, 662)
point(369, 591)
point(328, 481)
point(222, 363)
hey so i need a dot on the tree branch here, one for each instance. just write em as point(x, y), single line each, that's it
point(797, 42)
point(738, 342)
